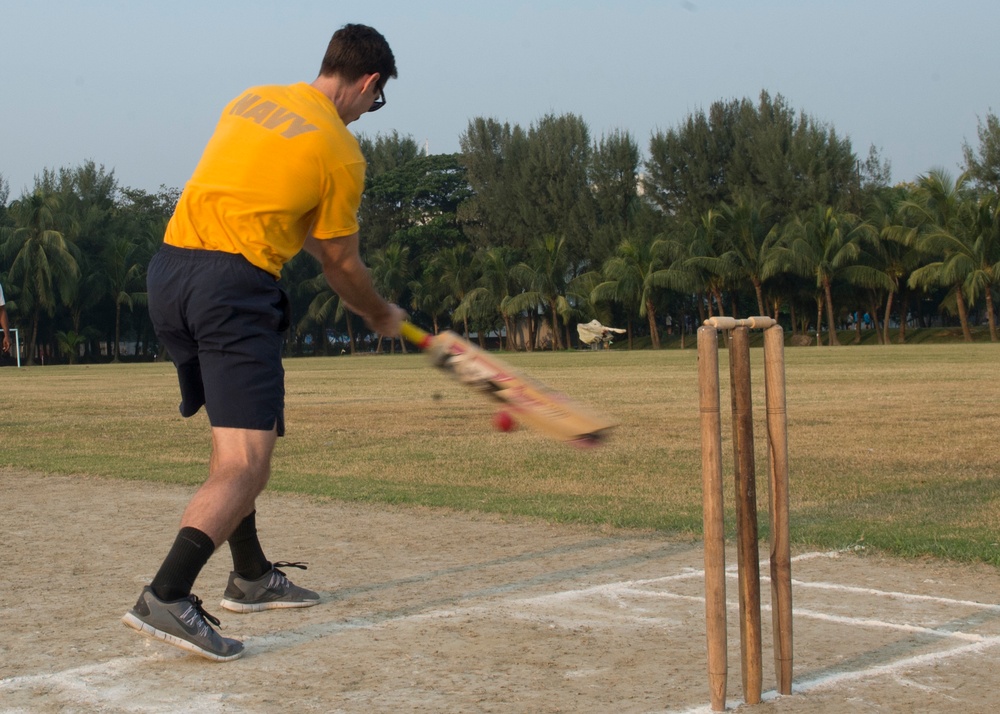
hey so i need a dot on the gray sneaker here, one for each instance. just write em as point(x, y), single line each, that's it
point(182, 623)
point(270, 591)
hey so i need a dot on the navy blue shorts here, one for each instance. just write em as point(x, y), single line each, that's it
point(222, 320)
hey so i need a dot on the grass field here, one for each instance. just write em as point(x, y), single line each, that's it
point(892, 448)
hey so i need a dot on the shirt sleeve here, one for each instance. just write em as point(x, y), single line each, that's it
point(337, 214)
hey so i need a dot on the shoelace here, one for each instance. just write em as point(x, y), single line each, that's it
point(286, 564)
point(196, 602)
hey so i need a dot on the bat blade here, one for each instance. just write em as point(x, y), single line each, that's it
point(532, 403)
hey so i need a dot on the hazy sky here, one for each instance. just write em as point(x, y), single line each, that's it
point(137, 85)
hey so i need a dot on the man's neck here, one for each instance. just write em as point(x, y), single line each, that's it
point(334, 89)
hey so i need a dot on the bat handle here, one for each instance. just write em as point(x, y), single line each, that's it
point(414, 334)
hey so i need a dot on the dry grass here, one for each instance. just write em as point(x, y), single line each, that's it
point(890, 446)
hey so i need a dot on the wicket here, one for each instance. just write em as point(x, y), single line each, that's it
point(747, 548)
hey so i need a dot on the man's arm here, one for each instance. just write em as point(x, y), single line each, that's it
point(350, 279)
point(6, 328)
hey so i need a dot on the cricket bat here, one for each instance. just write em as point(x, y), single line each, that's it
point(530, 402)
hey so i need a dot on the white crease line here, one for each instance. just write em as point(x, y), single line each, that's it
point(687, 574)
point(71, 676)
point(822, 554)
point(882, 624)
point(894, 667)
point(611, 590)
point(831, 680)
point(893, 594)
point(813, 615)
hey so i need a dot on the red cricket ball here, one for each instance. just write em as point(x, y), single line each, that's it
point(503, 421)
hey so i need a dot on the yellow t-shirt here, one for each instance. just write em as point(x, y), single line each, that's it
point(280, 165)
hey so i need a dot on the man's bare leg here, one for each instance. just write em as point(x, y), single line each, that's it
point(166, 610)
point(238, 472)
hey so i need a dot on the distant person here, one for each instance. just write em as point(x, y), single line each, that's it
point(281, 173)
point(4, 323)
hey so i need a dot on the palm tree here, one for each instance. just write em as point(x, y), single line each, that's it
point(454, 266)
point(324, 310)
point(988, 249)
point(638, 268)
point(896, 256)
point(753, 236)
point(960, 234)
point(430, 296)
point(124, 276)
point(622, 292)
point(70, 343)
point(544, 277)
point(391, 275)
point(491, 296)
point(706, 246)
point(42, 264)
point(827, 244)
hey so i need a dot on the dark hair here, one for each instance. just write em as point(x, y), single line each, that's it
point(357, 50)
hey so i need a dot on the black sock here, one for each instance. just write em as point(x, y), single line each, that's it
point(248, 557)
point(190, 552)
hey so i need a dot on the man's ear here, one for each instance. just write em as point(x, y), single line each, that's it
point(371, 81)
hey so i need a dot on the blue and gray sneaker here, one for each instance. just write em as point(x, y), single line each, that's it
point(270, 591)
point(182, 623)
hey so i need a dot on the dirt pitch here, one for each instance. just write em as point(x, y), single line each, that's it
point(434, 611)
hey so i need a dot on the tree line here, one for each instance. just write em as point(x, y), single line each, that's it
point(749, 207)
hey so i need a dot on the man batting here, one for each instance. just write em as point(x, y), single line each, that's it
point(281, 173)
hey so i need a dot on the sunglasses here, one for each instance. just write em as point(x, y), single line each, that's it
point(378, 103)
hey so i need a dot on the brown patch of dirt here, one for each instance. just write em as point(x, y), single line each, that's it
point(436, 611)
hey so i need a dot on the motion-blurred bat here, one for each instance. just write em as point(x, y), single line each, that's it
point(541, 408)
